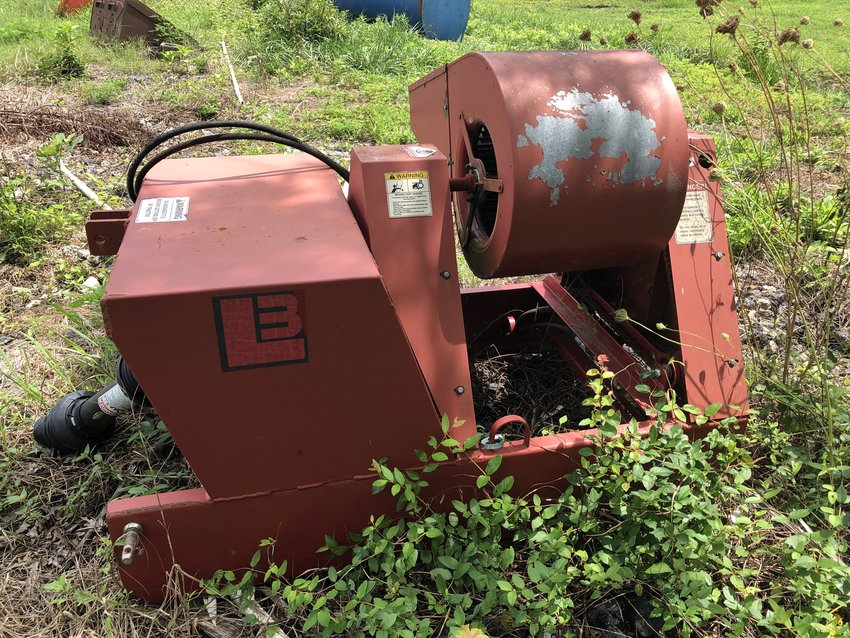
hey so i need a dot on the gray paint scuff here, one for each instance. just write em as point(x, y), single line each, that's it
point(583, 118)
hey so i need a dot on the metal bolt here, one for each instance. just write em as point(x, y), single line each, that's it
point(718, 256)
point(732, 363)
point(460, 389)
point(497, 443)
point(445, 274)
point(132, 536)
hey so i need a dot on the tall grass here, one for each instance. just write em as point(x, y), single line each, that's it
point(782, 213)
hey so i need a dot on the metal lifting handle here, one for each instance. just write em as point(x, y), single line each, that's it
point(496, 441)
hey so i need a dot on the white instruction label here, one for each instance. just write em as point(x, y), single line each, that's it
point(695, 223)
point(408, 194)
point(114, 401)
point(420, 151)
point(163, 209)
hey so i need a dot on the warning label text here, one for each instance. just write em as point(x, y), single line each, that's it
point(408, 194)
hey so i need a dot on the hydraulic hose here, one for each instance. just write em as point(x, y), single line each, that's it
point(274, 135)
point(83, 418)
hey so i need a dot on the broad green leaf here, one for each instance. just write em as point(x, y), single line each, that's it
point(712, 409)
point(493, 465)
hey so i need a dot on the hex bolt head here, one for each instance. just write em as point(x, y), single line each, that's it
point(719, 255)
point(445, 274)
point(460, 390)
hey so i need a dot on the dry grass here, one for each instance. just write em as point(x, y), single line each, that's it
point(33, 112)
point(58, 574)
point(536, 383)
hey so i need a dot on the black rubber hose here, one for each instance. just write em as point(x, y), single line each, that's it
point(84, 418)
point(75, 422)
point(220, 137)
point(188, 128)
point(286, 139)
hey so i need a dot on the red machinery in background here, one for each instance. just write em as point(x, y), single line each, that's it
point(288, 335)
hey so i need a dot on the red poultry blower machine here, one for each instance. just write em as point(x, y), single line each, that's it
point(288, 331)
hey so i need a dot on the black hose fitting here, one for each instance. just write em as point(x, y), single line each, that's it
point(75, 422)
point(84, 418)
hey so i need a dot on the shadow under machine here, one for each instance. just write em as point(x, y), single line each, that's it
point(288, 335)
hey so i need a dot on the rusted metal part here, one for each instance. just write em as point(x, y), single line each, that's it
point(495, 440)
point(578, 138)
point(658, 356)
point(105, 230)
point(464, 184)
point(595, 340)
point(125, 19)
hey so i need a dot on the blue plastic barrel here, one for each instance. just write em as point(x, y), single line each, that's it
point(437, 19)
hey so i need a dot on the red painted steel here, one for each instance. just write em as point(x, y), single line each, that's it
point(105, 231)
point(287, 337)
point(575, 138)
point(429, 110)
point(595, 339)
point(207, 312)
point(704, 299)
point(201, 534)
point(416, 258)
point(68, 7)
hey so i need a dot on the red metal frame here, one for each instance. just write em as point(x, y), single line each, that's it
point(287, 336)
point(260, 490)
point(105, 230)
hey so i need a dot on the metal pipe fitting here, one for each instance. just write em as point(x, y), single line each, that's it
point(132, 543)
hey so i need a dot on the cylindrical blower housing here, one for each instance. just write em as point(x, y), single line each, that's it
point(437, 19)
point(591, 148)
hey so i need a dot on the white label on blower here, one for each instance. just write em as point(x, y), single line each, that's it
point(408, 194)
point(695, 223)
point(163, 209)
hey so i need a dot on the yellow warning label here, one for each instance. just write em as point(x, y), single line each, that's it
point(408, 194)
point(409, 175)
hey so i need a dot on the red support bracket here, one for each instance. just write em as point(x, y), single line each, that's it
point(593, 339)
point(105, 230)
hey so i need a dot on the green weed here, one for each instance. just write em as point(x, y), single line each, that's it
point(385, 48)
point(295, 21)
point(17, 31)
point(103, 92)
point(63, 61)
point(673, 529)
point(29, 220)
